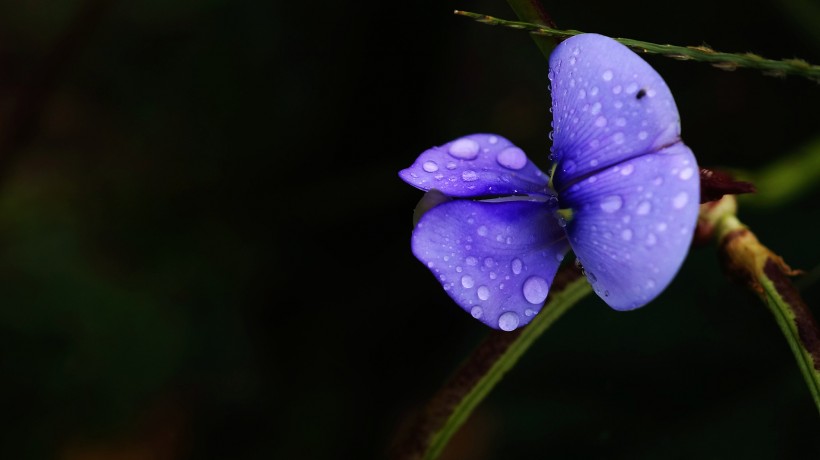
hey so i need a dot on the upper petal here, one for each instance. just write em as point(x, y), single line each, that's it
point(608, 105)
point(633, 223)
point(495, 259)
point(476, 165)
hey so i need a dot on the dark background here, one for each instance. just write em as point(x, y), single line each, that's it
point(204, 244)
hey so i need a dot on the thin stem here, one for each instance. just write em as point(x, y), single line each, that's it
point(532, 11)
point(481, 372)
point(747, 261)
point(721, 60)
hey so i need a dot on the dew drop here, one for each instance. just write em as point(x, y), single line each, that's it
point(517, 266)
point(596, 108)
point(591, 277)
point(489, 262)
point(618, 138)
point(476, 312)
point(680, 200)
point(569, 166)
point(482, 230)
point(512, 158)
point(529, 312)
point(607, 75)
point(686, 173)
point(535, 290)
point(612, 203)
point(643, 208)
point(493, 140)
point(662, 227)
point(451, 165)
point(626, 234)
point(508, 321)
point(467, 281)
point(466, 149)
point(469, 175)
point(430, 166)
point(627, 170)
point(600, 122)
point(651, 239)
point(483, 292)
point(471, 261)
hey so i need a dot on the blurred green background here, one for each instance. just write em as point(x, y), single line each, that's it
point(204, 244)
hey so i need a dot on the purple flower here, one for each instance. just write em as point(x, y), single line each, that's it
point(623, 194)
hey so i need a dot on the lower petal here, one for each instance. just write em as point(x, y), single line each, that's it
point(495, 259)
point(632, 224)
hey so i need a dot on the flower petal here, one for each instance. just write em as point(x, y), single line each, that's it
point(633, 223)
point(474, 166)
point(495, 259)
point(608, 106)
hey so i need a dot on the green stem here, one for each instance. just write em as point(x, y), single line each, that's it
point(482, 371)
point(746, 260)
point(721, 60)
point(531, 11)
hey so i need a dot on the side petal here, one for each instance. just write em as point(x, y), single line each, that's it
point(633, 223)
point(495, 259)
point(474, 166)
point(608, 106)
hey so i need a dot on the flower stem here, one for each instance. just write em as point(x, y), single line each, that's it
point(721, 60)
point(532, 11)
point(748, 262)
point(481, 372)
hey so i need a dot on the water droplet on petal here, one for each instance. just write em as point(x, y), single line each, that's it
point(493, 140)
point(535, 290)
point(607, 75)
point(469, 175)
point(627, 170)
point(612, 203)
point(483, 292)
point(508, 321)
point(467, 281)
point(512, 158)
point(529, 312)
point(489, 262)
point(591, 277)
point(626, 234)
point(686, 173)
point(600, 122)
point(680, 200)
point(451, 165)
point(643, 208)
point(476, 312)
point(482, 230)
point(430, 166)
point(466, 149)
point(651, 239)
point(642, 135)
point(517, 266)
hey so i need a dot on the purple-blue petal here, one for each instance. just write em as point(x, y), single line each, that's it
point(475, 166)
point(608, 106)
point(497, 260)
point(633, 224)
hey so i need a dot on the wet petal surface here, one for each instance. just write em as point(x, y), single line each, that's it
point(497, 260)
point(633, 224)
point(608, 106)
point(474, 166)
